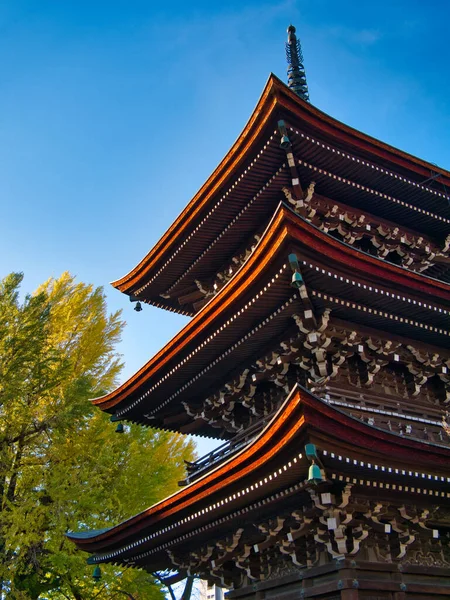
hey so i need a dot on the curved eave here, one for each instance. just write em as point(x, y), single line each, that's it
point(355, 138)
point(247, 276)
point(276, 98)
point(302, 418)
point(213, 258)
point(285, 229)
point(174, 235)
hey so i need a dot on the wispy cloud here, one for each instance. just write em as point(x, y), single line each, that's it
point(367, 37)
point(360, 37)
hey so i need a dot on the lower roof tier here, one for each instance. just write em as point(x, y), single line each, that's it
point(255, 309)
point(269, 476)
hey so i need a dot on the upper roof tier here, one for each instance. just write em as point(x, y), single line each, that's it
point(240, 196)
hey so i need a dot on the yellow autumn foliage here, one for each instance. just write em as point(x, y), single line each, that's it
point(61, 465)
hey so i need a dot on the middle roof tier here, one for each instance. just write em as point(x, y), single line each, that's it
point(258, 308)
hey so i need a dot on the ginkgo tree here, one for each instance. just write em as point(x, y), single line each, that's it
point(62, 467)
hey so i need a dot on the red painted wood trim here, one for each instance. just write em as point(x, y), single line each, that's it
point(284, 227)
point(275, 99)
point(239, 151)
point(302, 417)
point(344, 133)
point(363, 264)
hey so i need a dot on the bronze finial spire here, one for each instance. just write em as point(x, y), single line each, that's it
point(296, 70)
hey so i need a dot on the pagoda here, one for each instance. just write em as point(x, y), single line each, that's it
point(315, 265)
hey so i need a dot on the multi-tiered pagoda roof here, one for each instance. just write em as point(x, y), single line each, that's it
point(315, 265)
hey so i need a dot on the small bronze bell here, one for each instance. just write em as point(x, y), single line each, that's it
point(314, 474)
point(285, 142)
point(297, 280)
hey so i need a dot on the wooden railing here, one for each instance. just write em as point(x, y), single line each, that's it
point(197, 468)
point(398, 416)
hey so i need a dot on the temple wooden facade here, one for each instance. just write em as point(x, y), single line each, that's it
point(315, 265)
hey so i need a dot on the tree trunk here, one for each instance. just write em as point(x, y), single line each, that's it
point(11, 493)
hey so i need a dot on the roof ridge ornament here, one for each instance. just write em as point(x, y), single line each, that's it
point(296, 70)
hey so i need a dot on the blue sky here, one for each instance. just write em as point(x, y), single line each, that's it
point(113, 113)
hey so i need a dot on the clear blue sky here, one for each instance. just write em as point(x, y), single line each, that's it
point(113, 113)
